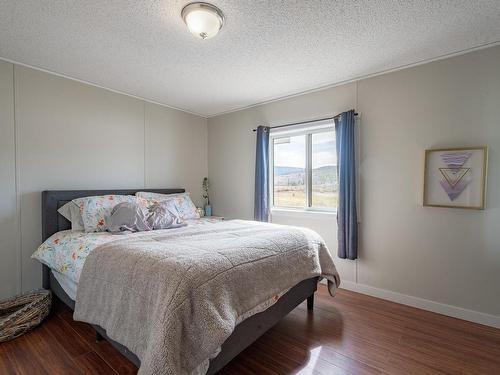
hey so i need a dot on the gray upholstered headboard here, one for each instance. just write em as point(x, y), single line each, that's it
point(53, 222)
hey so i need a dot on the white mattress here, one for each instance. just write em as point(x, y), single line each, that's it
point(68, 285)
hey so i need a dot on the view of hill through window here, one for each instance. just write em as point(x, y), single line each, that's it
point(290, 171)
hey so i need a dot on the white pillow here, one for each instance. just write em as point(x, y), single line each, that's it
point(71, 211)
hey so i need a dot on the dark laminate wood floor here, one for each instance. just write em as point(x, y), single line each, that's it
point(349, 334)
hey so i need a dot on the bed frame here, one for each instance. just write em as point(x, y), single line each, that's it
point(244, 334)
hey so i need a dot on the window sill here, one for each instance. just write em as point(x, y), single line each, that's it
point(302, 212)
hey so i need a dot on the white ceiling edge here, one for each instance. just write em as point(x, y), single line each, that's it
point(362, 77)
point(100, 86)
point(288, 96)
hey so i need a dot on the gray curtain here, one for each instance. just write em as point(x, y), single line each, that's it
point(347, 218)
point(261, 202)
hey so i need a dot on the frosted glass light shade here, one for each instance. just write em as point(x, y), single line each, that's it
point(202, 19)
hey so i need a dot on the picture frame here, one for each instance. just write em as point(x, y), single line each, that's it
point(455, 177)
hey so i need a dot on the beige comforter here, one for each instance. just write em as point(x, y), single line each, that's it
point(175, 296)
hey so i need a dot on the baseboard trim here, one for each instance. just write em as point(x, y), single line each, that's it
point(424, 304)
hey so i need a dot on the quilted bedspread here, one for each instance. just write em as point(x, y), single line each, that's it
point(174, 297)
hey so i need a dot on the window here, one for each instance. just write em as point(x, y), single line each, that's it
point(304, 167)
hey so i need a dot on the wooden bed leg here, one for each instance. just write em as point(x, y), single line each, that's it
point(310, 302)
point(98, 337)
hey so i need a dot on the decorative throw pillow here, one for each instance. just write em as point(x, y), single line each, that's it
point(127, 217)
point(182, 202)
point(71, 211)
point(164, 215)
point(96, 209)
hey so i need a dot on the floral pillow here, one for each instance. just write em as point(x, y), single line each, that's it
point(182, 203)
point(95, 210)
point(67, 250)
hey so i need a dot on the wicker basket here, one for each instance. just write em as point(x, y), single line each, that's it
point(22, 313)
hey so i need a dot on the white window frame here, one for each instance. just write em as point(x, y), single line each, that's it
point(306, 129)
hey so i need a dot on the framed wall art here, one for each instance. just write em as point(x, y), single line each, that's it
point(455, 177)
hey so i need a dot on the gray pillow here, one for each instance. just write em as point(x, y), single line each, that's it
point(71, 211)
point(164, 215)
point(127, 217)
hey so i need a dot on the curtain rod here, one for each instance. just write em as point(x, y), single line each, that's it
point(306, 122)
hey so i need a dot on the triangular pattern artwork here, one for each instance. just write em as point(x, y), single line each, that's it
point(455, 176)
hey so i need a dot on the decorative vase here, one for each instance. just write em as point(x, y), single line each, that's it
point(200, 211)
point(208, 210)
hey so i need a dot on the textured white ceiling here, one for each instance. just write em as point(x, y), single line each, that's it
point(266, 49)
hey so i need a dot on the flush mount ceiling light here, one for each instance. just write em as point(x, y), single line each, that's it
point(202, 19)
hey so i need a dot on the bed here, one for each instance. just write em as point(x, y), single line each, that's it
point(245, 332)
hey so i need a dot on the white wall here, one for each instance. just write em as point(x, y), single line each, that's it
point(450, 256)
point(75, 136)
point(178, 150)
point(446, 255)
point(9, 241)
